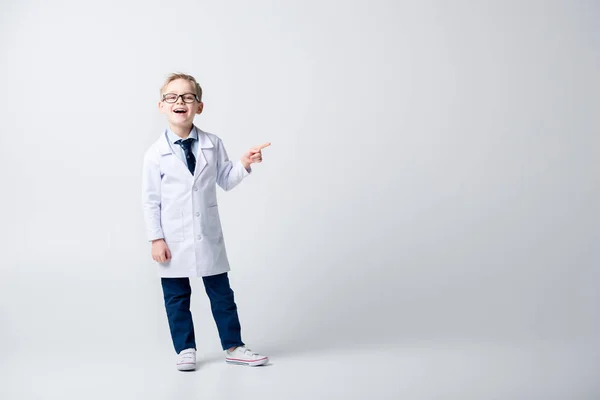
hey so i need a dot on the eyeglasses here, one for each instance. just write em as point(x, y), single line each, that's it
point(186, 97)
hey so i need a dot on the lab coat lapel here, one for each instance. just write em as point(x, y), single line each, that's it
point(163, 145)
point(164, 148)
point(203, 143)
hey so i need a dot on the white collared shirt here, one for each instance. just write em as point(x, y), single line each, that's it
point(177, 149)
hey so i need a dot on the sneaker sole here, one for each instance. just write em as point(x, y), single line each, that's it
point(186, 367)
point(255, 363)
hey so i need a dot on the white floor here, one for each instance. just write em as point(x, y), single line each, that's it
point(411, 371)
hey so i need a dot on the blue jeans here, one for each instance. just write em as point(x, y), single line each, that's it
point(177, 293)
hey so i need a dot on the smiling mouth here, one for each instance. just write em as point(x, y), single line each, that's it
point(179, 111)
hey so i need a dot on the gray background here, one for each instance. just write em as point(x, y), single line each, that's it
point(433, 175)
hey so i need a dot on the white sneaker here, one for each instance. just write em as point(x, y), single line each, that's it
point(187, 360)
point(244, 356)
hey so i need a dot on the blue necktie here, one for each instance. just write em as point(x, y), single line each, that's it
point(189, 155)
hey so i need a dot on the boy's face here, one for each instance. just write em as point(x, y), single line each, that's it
point(180, 113)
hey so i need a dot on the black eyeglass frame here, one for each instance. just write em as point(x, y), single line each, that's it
point(178, 96)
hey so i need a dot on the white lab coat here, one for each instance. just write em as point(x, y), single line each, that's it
point(183, 209)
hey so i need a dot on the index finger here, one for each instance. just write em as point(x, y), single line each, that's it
point(262, 146)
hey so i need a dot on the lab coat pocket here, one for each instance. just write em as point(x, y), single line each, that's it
point(213, 223)
point(173, 227)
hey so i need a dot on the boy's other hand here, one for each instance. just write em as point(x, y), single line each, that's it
point(160, 251)
point(254, 155)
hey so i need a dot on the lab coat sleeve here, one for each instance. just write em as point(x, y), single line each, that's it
point(229, 174)
point(151, 197)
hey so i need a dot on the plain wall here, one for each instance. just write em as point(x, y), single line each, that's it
point(433, 174)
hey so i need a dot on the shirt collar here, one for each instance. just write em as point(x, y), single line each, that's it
point(173, 136)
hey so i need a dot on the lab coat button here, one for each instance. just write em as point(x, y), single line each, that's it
point(195, 188)
point(199, 237)
point(197, 214)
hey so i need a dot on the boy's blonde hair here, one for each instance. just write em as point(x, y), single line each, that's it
point(187, 77)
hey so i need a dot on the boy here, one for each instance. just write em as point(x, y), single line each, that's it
point(180, 173)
